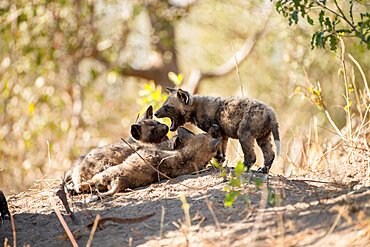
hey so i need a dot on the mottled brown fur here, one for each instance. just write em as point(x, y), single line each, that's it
point(135, 171)
point(233, 117)
point(147, 130)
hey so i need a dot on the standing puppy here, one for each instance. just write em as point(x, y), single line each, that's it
point(235, 117)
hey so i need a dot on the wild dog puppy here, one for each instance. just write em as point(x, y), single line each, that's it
point(4, 211)
point(147, 130)
point(233, 117)
point(137, 170)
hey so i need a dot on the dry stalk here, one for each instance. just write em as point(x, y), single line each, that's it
point(362, 74)
point(91, 236)
point(186, 207)
point(210, 208)
point(237, 69)
point(346, 84)
point(161, 228)
point(65, 226)
point(13, 231)
point(341, 212)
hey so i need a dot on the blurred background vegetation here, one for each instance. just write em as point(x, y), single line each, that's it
point(74, 74)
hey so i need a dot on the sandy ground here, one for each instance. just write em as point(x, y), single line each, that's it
point(296, 212)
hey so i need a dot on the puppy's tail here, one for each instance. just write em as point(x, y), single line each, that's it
point(275, 134)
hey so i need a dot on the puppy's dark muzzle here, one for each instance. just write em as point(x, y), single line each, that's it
point(158, 114)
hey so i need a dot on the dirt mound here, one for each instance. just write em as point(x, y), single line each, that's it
point(303, 212)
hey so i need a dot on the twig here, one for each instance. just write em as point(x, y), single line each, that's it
point(209, 205)
point(49, 155)
point(335, 223)
point(186, 207)
point(237, 69)
point(65, 226)
point(13, 231)
point(362, 73)
point(162, 223)
point(137, 117)
point(344, 16)
point(96, 221)
point(335, 13)
point(349, 122)
point(63, 197)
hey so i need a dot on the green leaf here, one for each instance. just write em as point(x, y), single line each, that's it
point(293, 18)
point(348, 105)
point(235, 182)
point(321, 17)
point(310, 20)
point(31, 108)
point(230, 198)
point(333, 42)
point(180, 77)
point(176, 79)
point(328, 24)
point(258, 182)
point(239, 169)
point(215, 164)
point(313, 40)
point(320, 41)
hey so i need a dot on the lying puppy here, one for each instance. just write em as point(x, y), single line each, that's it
point(235, 117)
point(137, 170)
point(147, 130)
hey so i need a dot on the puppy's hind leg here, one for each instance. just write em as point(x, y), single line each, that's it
point(268, 154)
point(247, 142)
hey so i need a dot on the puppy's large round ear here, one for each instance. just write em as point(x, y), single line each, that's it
point(171, 90)
point(185, 96)
point(136, 131)
point(184, 133)
point(149, 113)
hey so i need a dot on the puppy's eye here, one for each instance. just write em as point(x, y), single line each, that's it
point(168, 108)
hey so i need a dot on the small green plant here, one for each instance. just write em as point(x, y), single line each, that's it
point(214, 163)
point(237, 187)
